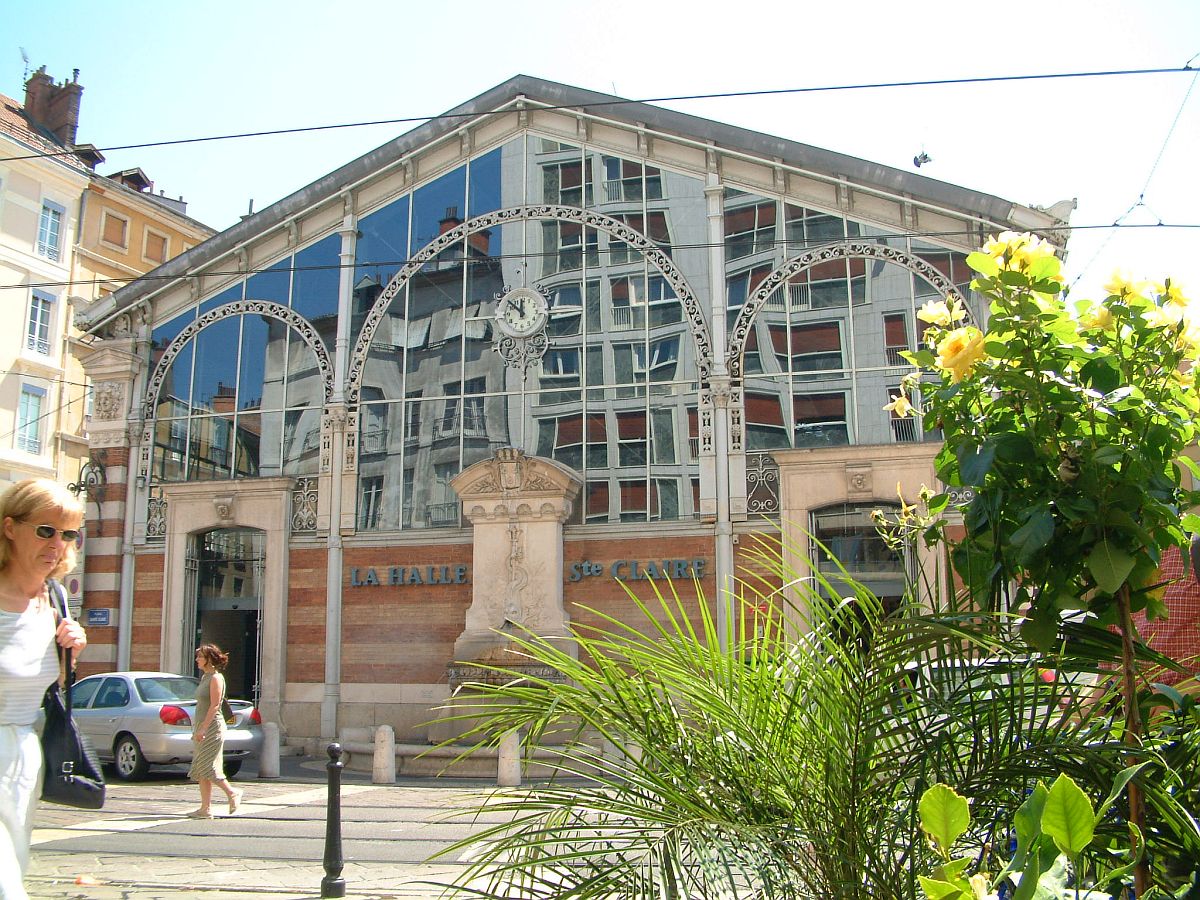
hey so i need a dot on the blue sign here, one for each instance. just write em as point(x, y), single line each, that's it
point(98, 617)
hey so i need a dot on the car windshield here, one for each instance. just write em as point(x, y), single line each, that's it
point(167, 689)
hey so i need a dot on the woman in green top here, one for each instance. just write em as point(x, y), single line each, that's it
point(209, 734)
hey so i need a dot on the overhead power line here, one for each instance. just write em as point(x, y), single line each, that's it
point(579, 248)
point(677, 98)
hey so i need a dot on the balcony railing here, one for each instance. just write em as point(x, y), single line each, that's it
point(374, 440)
point(894, 358)
point(441, 515)
point(623, 318)
point(905, 431)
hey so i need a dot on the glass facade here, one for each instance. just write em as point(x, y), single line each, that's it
point(615, 396)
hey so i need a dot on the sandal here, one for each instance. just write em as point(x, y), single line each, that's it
point(199, 814)
point(235, 800)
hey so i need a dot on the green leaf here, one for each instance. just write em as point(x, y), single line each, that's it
point(1014, 279)
point(1108, 455)
point(1068, 816)
point(1045, 267)
point(974, 463)
point(922, 359)
point(1100, 374)
point(1040, 628)
point(1033, 535)
point(942, 890)
point(1119, 783)
point(1042, 859)
point(952, 871)
point(983, 264)
point(1110, 566)
point(1028, 820)
point(1190, 523)
point(944, 815)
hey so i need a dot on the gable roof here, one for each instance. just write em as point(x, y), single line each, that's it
point(537, 93)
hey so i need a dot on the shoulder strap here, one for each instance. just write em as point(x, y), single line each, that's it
point(58, 597)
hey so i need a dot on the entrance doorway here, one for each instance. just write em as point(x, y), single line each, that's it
point(225, 566)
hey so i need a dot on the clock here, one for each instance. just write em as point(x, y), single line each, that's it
point(522, 312)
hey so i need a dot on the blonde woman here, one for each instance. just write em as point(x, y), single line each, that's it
point(209, 733)
point(39, 534)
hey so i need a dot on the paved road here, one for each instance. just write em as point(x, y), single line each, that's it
point(141, 845)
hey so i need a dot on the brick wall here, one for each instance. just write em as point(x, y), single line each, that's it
point(401, 634)
point(306, 615)
point(1178, 636)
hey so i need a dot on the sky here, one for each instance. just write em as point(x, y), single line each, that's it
point(1124, 147)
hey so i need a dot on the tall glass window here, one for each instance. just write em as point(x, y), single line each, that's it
point(37, 330)
point(29, 418)
point(49, 237)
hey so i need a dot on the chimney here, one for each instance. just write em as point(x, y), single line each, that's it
point(54, 107)
point(450, 220)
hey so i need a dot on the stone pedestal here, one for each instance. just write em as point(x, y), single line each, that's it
point(517, 505)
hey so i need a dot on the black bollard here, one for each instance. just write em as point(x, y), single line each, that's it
point(333, 884)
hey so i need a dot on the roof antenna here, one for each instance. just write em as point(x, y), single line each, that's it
point(921, 158)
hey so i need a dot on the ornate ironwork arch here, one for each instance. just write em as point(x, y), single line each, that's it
point(252, 307)
point(810, 258)
point(587, 218)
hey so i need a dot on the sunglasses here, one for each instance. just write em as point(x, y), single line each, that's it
point(69, 535)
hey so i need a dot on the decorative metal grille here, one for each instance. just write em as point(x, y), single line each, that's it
point(762, 485)
point(796, 265)
point(304, 505)
point(156, 516)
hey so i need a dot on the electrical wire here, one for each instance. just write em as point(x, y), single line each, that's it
point(1119, 222)
point(397, 263)
point(936, 82)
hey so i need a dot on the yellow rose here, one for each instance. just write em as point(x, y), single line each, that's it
point(1120, 285)
point(1018, 251)
point(936, 312)
point(900, 406)
point(1163, 316)
point(1098, 316)
point(1172, 296)
point(959, 352)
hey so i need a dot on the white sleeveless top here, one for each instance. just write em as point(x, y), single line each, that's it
point(28, 662)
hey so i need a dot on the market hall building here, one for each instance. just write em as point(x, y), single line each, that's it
point(542, 349)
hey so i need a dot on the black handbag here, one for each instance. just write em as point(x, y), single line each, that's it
point(72, 770)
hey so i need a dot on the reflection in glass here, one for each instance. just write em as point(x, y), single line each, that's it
point(437, 203)
point(301, 440)
point(305, 384)
point(229, 295)
point(255, 337)
point(315, 285)
point(215, 379)
point(485, 188)
point(174, 394)
point(274, 284)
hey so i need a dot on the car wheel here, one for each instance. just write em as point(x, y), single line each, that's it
point(128, 761)
point(232, 767)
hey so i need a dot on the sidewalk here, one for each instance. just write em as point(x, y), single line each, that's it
point(142, 846)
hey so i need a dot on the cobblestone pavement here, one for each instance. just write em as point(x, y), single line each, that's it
point(142, 845)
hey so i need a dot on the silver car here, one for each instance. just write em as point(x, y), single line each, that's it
point(139, 719)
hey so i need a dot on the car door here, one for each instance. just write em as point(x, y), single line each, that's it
point(101, 719)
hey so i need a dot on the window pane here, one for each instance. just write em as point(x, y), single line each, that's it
point(315, 285)
point(216, 367)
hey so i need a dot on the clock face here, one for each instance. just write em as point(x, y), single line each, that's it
point(522, 312)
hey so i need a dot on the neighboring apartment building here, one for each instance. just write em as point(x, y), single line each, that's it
point(549, 344)
point(42, 413)
point(68, 237)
